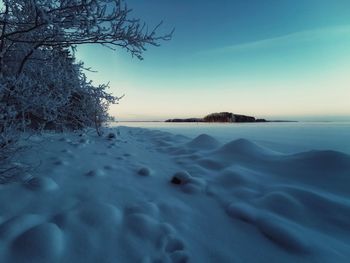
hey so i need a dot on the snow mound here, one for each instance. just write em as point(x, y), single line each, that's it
point(203, 142)
point(144, 171)
point(242, 211)
point(293, 207)
point(282, 203)
point(43, 243)
point(147, 208)
point(143, 226)
point(280, 231)
point(242, 148)
point(19, 224)
point(283, 233)
point(143, 220)
point(95, 215)
point(41, 184)
point(239, 151)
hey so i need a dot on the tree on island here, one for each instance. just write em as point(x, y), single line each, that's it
point(41, 84)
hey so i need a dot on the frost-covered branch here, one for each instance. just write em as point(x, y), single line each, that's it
point(41, 84)
point(63, 23)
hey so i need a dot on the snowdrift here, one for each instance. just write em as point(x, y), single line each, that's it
point(151, 196)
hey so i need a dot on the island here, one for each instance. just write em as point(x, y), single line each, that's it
point(221, 117)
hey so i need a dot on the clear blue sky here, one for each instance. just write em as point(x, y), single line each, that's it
point(271, 58)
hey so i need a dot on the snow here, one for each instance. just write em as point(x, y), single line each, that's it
point(154, 196)
point(288, 137)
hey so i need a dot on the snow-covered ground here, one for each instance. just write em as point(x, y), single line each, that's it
point(287, 137)
point(153, 196)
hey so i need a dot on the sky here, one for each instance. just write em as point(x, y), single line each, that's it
point(275, 59)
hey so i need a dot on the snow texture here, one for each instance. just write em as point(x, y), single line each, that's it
point(152, 196)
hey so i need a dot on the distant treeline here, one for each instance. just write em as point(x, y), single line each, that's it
point(221, 117)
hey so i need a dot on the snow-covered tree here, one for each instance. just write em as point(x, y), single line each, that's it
point(41, 84)
point(62, 23)
point(38, 70)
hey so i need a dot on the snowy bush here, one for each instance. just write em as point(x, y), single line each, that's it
point(46, 87)
point(41, 84)
point(8, 135)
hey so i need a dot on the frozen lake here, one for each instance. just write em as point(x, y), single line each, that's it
point(287, 137)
